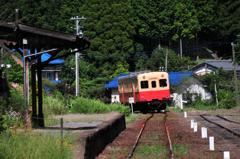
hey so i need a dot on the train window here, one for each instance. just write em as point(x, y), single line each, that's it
point(163, 83)
point(154, 84)
point(144, 84)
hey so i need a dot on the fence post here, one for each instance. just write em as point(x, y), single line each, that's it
point(61, 124)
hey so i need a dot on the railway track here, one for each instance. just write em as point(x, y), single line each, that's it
point(224, 123)
point(170, 148)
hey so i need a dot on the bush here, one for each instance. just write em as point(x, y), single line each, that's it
point(15, 102)
point(11, 119)
point(226, 99)
point(84, 105)
point(54, 104)
point(11, 110)
point(203, 105)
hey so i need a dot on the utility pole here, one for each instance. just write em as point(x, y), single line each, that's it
point(181, 51)
point(1, 53)
point(77, 55)
point(235, 73)
point(25, 74)
point(26, 83)
point(166, 60)
point(215, 89)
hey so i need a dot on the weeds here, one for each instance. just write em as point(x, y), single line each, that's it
point(29, 146)
point(151, 151)
point(84, 105)
point(180, 150)
point(54, 105)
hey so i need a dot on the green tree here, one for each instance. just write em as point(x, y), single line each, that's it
point(157, 59)
point(161, 21)
point(206, 12)
point(185, 22)
point(228, 17)
point(108, 27)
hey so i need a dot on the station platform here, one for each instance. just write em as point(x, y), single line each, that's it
point(92, 131)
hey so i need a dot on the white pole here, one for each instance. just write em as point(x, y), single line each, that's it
point(192, 124)
point(80, 34)
point(185, 114)
point(195, 127)
point(132, 108)
point(204, 132)
point(211, 143)
point(215, 90)
point(226, 155)
point(77, 73)
point(181, 102)
point(25, 80)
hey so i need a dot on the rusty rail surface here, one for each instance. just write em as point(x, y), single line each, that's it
point(219, 125)
point(139, 136)
point(231, 121)
point(171, 155)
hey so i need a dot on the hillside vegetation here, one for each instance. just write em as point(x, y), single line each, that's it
point(125, 33)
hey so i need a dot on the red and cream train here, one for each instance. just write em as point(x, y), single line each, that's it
point(150, 90)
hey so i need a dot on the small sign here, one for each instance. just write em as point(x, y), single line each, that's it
point(226, 155)
point(131, 100)
point(211, 143)
point(204, 132)
point(25, 41)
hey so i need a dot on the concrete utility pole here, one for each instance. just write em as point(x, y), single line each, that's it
point(25, 74)
point(1, 53)
point(166, 60)
point(235, 73)
point(77, 55)
point(26, 83)
point(181, 50)
point(215, 89)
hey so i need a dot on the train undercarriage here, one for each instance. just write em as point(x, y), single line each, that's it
point(154, 105)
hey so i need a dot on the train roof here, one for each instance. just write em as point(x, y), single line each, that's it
point(135, 74)
point(175, 78)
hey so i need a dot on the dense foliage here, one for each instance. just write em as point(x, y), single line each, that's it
point(124, 34)
point(225, 89)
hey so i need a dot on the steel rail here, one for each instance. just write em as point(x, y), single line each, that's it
point(219, 125)
point(171, 154)
point(138, 137)
point(231, 121)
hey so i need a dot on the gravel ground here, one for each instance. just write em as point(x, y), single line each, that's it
point(186, 143)
point(224, 141)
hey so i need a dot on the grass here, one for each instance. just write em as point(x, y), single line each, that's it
point(34, 146)
point(151, 151)
point(177, 110)
point(84, 105)
point(159, 151)
point(180, 150)
point(132, 118)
